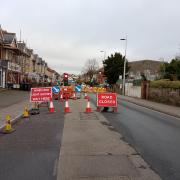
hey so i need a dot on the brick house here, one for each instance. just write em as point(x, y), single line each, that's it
point(10, 58)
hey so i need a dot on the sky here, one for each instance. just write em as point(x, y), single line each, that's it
point(67, 33)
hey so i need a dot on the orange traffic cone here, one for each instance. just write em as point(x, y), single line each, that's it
point(51, 107)
point(88, 108)
point(85, 95)
point(66, 108)
point(61, 98)
point(74, 96)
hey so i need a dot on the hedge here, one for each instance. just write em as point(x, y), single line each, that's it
point(165, 84)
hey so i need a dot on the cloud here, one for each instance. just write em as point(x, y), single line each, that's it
point(69, 32)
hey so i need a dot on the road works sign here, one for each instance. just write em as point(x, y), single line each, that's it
point(78, 88)
point(55, 89)
point(106, 100)
point(41, 94)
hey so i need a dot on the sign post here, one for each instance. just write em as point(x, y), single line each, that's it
point(107, 100)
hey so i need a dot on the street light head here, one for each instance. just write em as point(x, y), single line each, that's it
point(101, 51)
point(123, 39)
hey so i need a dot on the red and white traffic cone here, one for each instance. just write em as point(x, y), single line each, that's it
point(85, 96)
point(51, 107)
point(61, 97)
point(66, 108)
point(74, 96)
point(88, 108)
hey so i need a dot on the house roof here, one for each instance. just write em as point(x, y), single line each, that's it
point(21, 46)
point(140, 66)
point(8, 37)
point(50, 70)
point(39, 60)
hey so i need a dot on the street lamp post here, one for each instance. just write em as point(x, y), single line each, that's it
point(103, 60)
point(104, 54)
point(124, 72)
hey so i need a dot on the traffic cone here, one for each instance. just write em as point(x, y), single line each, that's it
point(61, 98)
point(8, 127)
point(74, 96)
point(66, 108)
point(25, 113)
point(88, 108)
point(51, 107)
point(85, 95)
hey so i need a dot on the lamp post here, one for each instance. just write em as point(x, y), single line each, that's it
point(124, 72)
point(104, 54)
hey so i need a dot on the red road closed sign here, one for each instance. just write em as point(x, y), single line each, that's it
point(43, 94)
point(106, 100)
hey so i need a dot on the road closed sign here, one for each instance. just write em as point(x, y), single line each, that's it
point(43, 94)
point(106, 100)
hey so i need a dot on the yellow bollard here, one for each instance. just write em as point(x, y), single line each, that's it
point(25, 113)
point(8, 127)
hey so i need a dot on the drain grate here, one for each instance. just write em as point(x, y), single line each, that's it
point(88, 116)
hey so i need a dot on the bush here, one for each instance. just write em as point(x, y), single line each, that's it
point(165, 83)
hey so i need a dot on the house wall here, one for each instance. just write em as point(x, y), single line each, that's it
point(133, 91)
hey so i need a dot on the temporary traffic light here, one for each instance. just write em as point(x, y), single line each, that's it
point(65, 79)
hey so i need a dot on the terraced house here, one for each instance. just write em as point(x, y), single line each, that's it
point(3, 63)
point(19, 65)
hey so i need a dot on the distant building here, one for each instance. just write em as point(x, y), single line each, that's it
point(149, 68)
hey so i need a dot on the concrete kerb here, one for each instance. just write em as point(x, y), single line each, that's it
point(150, 107)
point(14, 120)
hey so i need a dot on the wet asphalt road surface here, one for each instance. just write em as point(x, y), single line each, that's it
point(32, 151)
point(154, 135)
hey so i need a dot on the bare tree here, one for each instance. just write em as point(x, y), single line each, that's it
point(90, 68)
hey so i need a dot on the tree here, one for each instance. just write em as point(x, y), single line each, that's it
point(172, 70)
point(114, 67)
point(90, 69)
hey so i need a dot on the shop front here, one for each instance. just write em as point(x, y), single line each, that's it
point(13, 75)
point(3, 70)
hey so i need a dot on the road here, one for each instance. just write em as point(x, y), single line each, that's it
point(32, 151)
point(154, 135)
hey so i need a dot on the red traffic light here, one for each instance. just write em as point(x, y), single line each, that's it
point(66, 76)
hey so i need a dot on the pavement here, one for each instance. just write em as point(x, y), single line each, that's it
point(167, 109)
point(91, 149)
point(12, 102)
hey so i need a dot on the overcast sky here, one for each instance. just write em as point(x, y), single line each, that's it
point(66, 33)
